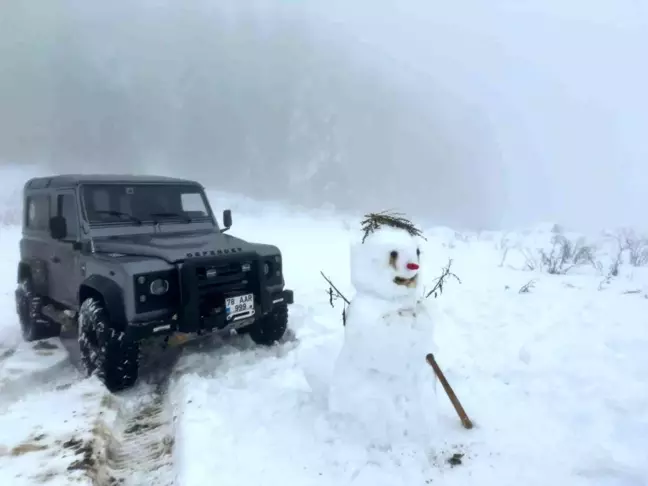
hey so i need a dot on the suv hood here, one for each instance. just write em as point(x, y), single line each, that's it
point(174, 247)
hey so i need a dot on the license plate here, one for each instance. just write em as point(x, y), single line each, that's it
point(239, 306)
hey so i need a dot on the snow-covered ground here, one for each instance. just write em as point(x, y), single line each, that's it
point(554, 379)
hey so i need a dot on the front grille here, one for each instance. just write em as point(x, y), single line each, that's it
point(219, 280)
point(206, 282)
point(219, 276)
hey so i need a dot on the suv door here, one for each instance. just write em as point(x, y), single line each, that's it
point(35, 243)
point(65, 269)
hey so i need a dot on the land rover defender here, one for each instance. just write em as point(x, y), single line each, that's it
point(119, 259)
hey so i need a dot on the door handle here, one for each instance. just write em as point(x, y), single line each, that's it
point(55, 259)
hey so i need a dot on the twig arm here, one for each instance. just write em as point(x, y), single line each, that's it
point(440, 281)
point(339, 294)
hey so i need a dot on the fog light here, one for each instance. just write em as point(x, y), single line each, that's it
point(159, 286)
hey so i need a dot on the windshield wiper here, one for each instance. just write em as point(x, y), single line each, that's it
point(172, 215)
point(120, 214)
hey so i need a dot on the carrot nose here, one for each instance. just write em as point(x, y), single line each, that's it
point(412, 266)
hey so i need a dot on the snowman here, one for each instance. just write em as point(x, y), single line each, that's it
point(381, 381)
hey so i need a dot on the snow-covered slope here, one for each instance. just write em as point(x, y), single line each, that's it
point(555, 379)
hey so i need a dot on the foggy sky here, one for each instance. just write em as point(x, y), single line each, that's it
point(481, 114)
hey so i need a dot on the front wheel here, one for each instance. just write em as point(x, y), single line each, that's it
point(271, 327)
point(106, 351)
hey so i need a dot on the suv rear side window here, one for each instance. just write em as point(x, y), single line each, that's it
point(66, 207)
point(37, 212)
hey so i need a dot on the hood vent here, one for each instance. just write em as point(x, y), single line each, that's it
point(224, 251)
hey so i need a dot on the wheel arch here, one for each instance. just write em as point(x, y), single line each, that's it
point(110, 295)
point(36, 270)
point(24, 271)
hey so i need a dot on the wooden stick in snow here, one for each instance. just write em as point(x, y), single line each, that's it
point(465, 421)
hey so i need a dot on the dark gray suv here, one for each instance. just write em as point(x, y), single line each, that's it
point(118, 259)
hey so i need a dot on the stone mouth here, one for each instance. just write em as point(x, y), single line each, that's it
point(406, 282)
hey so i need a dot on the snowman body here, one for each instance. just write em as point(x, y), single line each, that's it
point(381, 379)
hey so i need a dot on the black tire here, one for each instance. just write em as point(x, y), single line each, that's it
point(105, 351)
point(33, 323)
point(270, 328)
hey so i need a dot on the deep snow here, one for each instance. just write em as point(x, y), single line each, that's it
point(555, 380)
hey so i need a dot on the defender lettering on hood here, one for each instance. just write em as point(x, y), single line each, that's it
point(171, 247)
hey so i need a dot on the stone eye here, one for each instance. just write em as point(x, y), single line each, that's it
point(393, 256)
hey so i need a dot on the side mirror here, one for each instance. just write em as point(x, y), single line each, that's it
point(227, 219)
point(58, 227)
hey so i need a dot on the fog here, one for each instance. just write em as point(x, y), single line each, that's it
point(466, 113)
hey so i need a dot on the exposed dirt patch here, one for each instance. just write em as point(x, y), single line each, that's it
point(453, 456)
point(44, 345)
point(44, 477)
point(26, 448)
point(6, 354)
point(109, 402)
point(140, 427)
point(73, 443)
point(84, 451)
point(455, 459)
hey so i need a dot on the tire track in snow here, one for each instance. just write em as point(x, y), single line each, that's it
point(134, 435)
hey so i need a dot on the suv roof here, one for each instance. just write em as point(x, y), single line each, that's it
point(73, 180)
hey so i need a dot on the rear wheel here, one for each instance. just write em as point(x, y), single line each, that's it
point(105, 351)
point(33, 323)
point(271, 327)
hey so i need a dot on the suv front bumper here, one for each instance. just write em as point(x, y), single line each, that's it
point(284, 297)
point(173, 322)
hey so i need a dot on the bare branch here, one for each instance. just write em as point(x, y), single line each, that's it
point(440, 281)
point(335, 294)
point(526, 288)
point(338, 294)
point(604, 282)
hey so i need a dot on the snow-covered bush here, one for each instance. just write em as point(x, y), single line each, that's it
point(635, 246)
point(563, 255)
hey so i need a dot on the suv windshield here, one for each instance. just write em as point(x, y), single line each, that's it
point(142, 203)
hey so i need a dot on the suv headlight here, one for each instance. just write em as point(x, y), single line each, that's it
point(159, 286)
point(272, 267)
point(156, 290)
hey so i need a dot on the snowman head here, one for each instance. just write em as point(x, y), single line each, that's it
point(387, 264)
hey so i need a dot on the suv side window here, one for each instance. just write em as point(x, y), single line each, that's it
point(66, 207)
point(37, 212)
